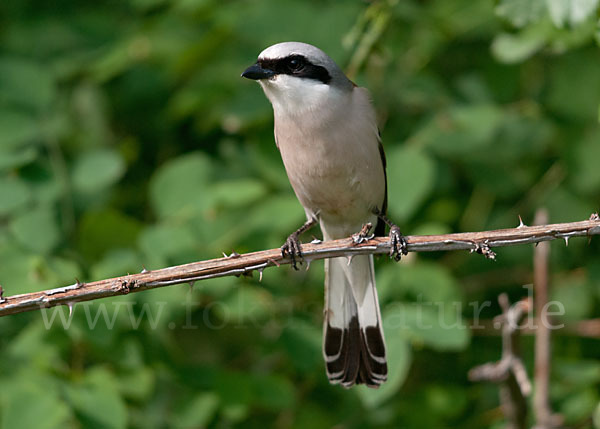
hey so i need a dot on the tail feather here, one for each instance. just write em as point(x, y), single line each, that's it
point(353, 342)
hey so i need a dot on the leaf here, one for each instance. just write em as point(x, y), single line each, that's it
point(14, 194)
point(434, 324)
point(236, 193)
point(570, 12)
point(399, 357)
point(167, 242)
point(29, 405)
point(272, 392)
point(116, 262)
point(97, 401)
point(10, 159)
point(97, 169)
point(197, 412)
point(411, 174)
point(101, 231)
point(302, 342)
point(18, 129)
point(515, 48)
point(181, 186)
point(462, 129)
point(37, 230)
point(585, 156)
point(137, 383)
point(247, 304)
point(396, 283)
point(25, 83)
point(573, 297)
point(521, 12)
point(580, 405)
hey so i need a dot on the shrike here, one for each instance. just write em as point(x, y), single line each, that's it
point(326, 131)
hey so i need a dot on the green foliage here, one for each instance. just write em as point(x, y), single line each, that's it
point(128, 140)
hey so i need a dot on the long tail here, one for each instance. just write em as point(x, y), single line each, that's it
point(353, 343)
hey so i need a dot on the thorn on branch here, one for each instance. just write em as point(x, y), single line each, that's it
point(521, 224)
point(144, 270)
point(78, 284)
point(2, 300)
point(594, 216)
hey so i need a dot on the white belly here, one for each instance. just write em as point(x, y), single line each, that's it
point(341, 178)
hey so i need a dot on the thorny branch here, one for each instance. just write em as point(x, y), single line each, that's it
point(234, 264)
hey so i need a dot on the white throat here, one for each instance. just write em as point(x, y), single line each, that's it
point(292, 96)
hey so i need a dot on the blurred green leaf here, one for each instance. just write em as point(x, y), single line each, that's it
point(117, 262)
point(181, 186)
point(521, 12)
point(247, 304)
point(14, 194)
point(435, 324)
point(97, 169)
point(587, 179)
point(570, 12)
point(579, 406)
point(100, 231)
point(399, 283)
point(167, 242)
point(302, 342)
point(198, 412)
point(579, 97)
point(411, 174)
point(25, 84)
point(18, 129)
point(574, 297)
point(27, 404)
point(37, 230)
point(137, 383)
point(399, 358)
point(96, 400)
point(514, 48)
point(17, 158)
point(237, 193)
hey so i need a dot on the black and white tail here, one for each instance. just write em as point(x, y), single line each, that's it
point(353, 343)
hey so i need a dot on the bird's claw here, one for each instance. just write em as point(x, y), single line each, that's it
point(363, 235)
point(292, 248)
point(398, 244)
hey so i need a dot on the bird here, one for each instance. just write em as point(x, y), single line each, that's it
point(326, 132)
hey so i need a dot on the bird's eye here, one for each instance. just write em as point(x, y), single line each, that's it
point(295, 64)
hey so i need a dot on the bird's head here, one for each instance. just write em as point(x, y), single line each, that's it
point(297, 76)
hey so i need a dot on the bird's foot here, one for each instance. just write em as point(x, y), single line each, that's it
point(363, 235)
point(292, 247)
point(399, 246)
point(398, 242)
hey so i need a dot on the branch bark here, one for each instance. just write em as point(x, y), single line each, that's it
point(544, 417)
point(480, 242)
point(509, 371)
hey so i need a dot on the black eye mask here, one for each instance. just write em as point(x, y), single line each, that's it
point(296, 65)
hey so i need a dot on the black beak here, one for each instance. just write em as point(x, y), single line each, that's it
point(256, 72)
